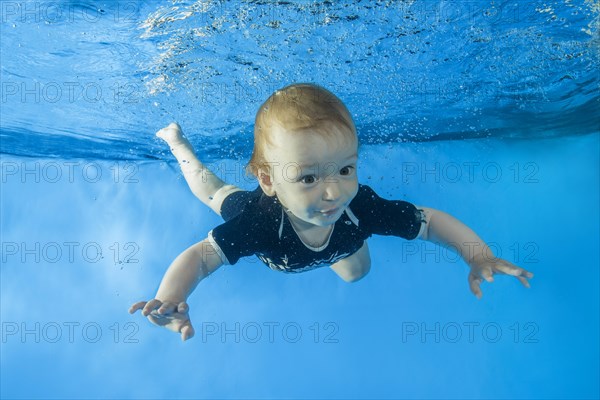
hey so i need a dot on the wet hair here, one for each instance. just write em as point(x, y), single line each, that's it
point(299, 109)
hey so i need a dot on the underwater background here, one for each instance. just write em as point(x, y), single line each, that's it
point(488, 110)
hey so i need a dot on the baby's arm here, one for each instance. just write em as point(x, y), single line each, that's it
point(445, 230)
point(169, 307)
point(205, 185)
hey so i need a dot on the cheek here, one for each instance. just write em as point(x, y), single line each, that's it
point(351, 186)
point(290, 195)
point(354, 188)
point(305, 199)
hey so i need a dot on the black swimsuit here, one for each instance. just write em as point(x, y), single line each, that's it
point(257, 224)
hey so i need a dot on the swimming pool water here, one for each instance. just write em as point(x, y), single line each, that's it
point(503, 135)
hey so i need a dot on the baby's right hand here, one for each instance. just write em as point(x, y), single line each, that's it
point(171, 134)
point(172, 316)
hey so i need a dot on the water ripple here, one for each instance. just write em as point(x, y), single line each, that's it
point(88, 79)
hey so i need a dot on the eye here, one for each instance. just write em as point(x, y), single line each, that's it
point(347, 170)
point(308, 179)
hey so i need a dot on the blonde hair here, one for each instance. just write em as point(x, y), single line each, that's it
point(299, 109)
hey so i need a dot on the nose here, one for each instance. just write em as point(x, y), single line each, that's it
point(331, 191)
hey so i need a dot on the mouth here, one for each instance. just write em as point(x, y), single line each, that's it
point(329, 212)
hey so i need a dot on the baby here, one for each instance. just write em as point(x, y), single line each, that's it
point(308, 211)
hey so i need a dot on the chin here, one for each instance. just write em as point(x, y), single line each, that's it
point(325, 222)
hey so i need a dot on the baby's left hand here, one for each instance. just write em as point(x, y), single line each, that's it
point(484, 267)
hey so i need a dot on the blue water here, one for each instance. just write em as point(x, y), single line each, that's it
point(486, 110)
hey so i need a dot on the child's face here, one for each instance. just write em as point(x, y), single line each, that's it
point(313, 177)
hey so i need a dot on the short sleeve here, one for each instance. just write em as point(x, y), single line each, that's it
point(239, 237)
point(386, 217)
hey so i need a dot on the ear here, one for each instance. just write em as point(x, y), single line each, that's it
point(265, 182)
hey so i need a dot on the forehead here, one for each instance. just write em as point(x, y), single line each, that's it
point(306, 148)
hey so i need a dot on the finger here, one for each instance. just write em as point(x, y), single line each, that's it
point(137, 306)
point(524, 281)
point(183, 307)
point(487, 274)
point(167, 308)
point(523, 273)
point(510, 269)
point(474, 283)
point(527, 274)
point(187, 331)
point(507, 268)
point(151, 306)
